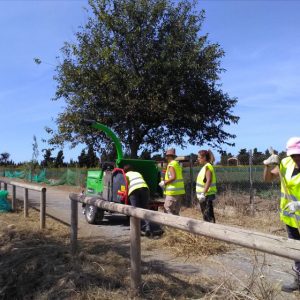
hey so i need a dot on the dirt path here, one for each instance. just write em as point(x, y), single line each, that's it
point(235, 265)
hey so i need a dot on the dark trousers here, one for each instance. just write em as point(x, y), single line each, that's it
point(293, 233)
point(140, 198)
point(207, 209)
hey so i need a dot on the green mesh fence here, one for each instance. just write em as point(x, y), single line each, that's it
point(41, 177)
point(53, 177)
point(69, 177)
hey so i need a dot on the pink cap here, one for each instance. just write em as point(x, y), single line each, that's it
point(293, 146)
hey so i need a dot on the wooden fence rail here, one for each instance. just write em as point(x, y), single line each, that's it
point(276, 245)
point(27, 187)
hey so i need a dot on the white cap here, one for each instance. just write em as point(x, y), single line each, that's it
point(293, 146)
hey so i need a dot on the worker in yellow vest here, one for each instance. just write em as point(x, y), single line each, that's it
point(138, 193)
point(289, 174)
point(173, 184)
point(206, 185)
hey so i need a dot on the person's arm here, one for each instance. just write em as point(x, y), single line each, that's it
point(270, 174)
point(208, 176)
point(172, 175)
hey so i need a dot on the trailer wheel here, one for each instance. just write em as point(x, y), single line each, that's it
point(93, 215)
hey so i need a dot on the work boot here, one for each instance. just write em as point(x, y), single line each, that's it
point(158, 232)
point(148, 233)
point(293, 286)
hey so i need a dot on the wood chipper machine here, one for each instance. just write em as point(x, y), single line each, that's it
point(110, 182)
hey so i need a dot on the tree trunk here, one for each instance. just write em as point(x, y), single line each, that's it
point(133, 150)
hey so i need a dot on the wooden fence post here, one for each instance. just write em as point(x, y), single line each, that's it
point(43, 209)
point(13, 200)
point(135, 255)
point(25, 203)
point(74, 226)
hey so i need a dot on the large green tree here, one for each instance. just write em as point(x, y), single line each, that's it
point(143, 68)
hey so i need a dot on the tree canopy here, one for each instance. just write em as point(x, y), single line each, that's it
point(4, 159)
point(144, 69)
point(59, 160)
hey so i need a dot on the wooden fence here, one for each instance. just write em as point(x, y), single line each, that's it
point(27, 187)
point(276, 245)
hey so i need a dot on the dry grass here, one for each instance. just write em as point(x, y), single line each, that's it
point(189, 245)
point(37, 264)
point(231, 210)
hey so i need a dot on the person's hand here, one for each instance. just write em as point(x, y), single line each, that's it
point(292, 206)
point(272, 160)
point(201, 197)
point(162, 184)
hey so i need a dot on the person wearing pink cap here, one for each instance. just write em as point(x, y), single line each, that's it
point(289, 174)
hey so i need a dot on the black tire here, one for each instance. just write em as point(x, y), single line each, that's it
point(93, 215)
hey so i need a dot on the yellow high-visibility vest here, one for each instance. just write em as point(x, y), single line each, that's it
point(135, 181)
point(200, 184)
point(287, 166)
point(176, 187)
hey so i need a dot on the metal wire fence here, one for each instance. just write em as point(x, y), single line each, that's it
point(247, 180)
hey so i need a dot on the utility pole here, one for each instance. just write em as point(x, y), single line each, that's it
point(251, 182)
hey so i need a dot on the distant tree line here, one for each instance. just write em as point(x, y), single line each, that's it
point(243, 157)
point(89, 159)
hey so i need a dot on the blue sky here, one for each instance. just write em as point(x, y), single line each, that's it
point(261, 41)
point(262, 44)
